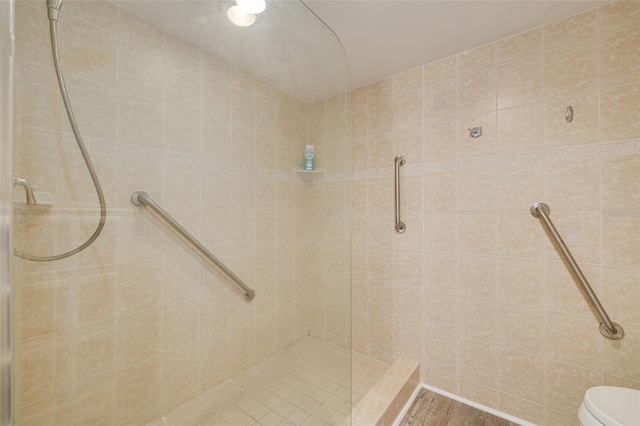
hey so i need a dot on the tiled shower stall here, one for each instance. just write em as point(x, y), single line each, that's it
point(136, 328)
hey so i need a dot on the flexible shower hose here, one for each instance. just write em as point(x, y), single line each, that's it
point(53, 28)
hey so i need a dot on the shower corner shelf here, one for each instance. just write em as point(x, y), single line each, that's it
point(45, 202)
point(309, 174)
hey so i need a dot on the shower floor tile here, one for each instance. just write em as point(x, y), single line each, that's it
point(309, 383)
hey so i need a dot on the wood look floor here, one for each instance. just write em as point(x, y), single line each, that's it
point(432, 409)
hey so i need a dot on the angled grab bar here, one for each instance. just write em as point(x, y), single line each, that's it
point(397, 163)
point(141, 198)
point(608, 328)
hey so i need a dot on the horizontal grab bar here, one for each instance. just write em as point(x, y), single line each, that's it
point(141, 198)
point(608, 328)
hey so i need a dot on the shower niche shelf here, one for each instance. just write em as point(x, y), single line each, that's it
point(309, 175)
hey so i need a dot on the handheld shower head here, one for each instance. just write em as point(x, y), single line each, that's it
point(53, 8)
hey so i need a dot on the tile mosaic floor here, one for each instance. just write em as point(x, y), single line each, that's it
point(309, 383)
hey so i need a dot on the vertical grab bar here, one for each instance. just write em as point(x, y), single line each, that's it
point(608, 328)
point(397, 163)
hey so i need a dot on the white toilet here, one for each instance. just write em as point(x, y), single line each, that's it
point(610, 406)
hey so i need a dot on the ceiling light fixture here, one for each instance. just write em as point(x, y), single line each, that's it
point(240, 17)
point(252, 6)
point(244, 12)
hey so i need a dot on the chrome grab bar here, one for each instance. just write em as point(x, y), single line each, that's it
point(397, 163)
point(141, 198)
point(608, 328)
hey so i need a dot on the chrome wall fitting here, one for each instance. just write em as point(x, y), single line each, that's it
point(475, 132)
point(568, 114)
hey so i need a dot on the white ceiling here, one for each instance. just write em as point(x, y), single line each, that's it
point(291, 49)
point(383, 38)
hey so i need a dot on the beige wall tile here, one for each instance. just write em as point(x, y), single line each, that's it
point(408, 304)
point(620, 57)
point(139, 120)
point(37, 414)
point(581, 233)
point(582, 59)
point(83, 354)
point(441, 352)
point(519, 236)
point(476, 93)
point(34, 371)
point(30, 32)
point(441, 312)
point(380, 334)
point(562, 177)
point(380, 298)
point(140, 69)
point(140, 31)
point(521, 281)
point(476, 60)
point(137, 388)
point(521, 408)
point(138, 337)
point(620, 177)
point(577, 344)
point(441, 231)
point(570, 30)
point(91, 51)
point(583, 129)
point(35, 309)
point(478, 319)
point(408, 80)
point(179, 372)
point(520, 82)
point(408, 268)
point(619, 106)
point(521, 375)
point(407, 110)
point(179, 324)
point(476, 190)
point(519, 46)
point(623, 359)
point(439, 101)
point(469, 147)
point(439, 70)
point(621, 293)
point(519, 129)
point(478, 362)
point(525, 332)
point(620, 14)
point(439, 141)
point(562, 290)
point(85, 297)
point(181, 131)
point(89, 403)
point(441, 271)
point(94, 107)
point(36, 96)
point(566, 385)
point(478, 275)
point(620, 232)
point(440, 191)
point(519, 186)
